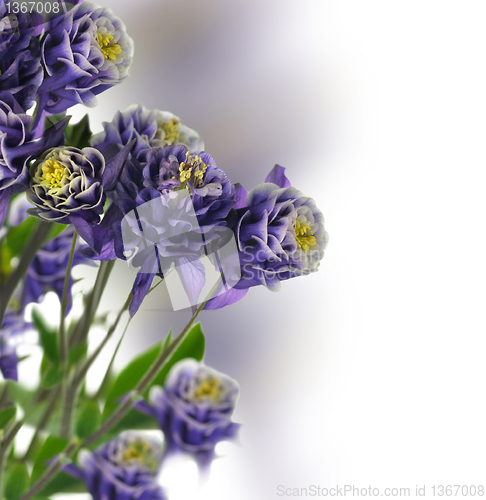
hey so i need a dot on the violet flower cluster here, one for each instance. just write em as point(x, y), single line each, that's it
point(143, 190)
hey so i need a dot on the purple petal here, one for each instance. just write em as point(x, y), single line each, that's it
point(225, 299)
point(277, 176)
point(240, 196)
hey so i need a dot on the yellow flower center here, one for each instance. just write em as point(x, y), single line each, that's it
point(305, 237)
point(193, 169)
point(171, 130)
point(52, 174)
point(209, 388)
point(109, 46)
point(139, 451)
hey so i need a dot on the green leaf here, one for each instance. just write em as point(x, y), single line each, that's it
point(77, 352)
point(133, 420)
point(18, 236)
point(47, 336)
point(79, 134)
point(53, 377)
point(7, 415)
point(192, 347)
point(129, 377)
point(63, 483)
point(22, 396)
point(168, 340)
point(17, 482)
point(52, 446)
point(89, 420)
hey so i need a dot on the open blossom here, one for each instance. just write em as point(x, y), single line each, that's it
point(280, 235)
point(68, 181)
point(84, 53)
point(176, 198)
point(20, 64)
point(194, 409)
point(150, 128)
point(125, 468)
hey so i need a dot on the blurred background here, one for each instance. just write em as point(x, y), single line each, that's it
point(370, 372)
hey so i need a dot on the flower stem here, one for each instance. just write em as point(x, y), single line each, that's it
point(38, 238)
point(64, 305)
point(48, 412)
point(83, 326)
point(115, 417)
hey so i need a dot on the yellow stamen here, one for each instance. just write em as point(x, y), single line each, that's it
point(193, 169)
point(304, 235)
point(52, 173)
point(210, 387)
point(136, 451)
point(109, 46)
point(171, 130)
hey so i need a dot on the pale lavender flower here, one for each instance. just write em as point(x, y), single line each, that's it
point(194, 409)
point(150, 128)
point(123, 469)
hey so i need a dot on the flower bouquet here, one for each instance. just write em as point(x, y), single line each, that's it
point(144, 191)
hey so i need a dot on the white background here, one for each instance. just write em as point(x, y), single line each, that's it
point(372, 371)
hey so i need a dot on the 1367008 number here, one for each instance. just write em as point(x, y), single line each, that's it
point(457, 490)
point(29, 7)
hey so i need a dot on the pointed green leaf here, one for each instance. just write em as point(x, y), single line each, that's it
point(53, 377)
point(17, 482)
point(192, 347)
point(79, 134)
point(47, 336)
point(7, 415)
point(89, 420)
point(52, 447)
point(77, 352)
point(129, 377)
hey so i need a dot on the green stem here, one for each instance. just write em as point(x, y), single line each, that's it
point(48, 412)
point(121, 411)
point(71, 390)
point(106, 377)
point(38, 238)
point(82, 328)
point(110, 365)
point(64, 304)
point(87, 365)
point(6, 442)
point(144, 383)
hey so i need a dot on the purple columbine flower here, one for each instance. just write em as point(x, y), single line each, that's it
point(150, 128)
point(13, 325)
point(18, 146)
point(67, 181)
point(194, 409)
point(280, 235)
point(181, 203)
point(123, 469)
point(84, 53)
point(20, 65)
point(48, 270)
